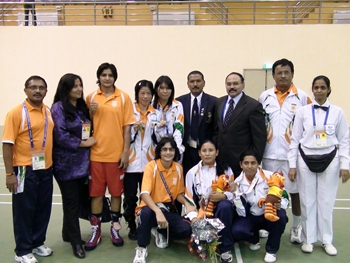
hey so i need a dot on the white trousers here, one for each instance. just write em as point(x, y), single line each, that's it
point(317, 197)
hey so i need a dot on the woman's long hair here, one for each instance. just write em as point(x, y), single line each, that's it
point(65, 85)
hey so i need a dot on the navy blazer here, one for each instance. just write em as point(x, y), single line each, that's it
point(246, 130)
point(206, 117)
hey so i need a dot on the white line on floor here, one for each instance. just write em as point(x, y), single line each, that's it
point(238, 253)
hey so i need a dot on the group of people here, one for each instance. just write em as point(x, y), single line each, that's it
point(166, 152)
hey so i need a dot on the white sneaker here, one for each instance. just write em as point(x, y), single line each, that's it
point(254, 247)
point(141, 254)
point(330, 249)
point(269, 258)
point(226, 257)
point(263, 233)
point(307, 248)
point(29, 258)
point(160, 239)
point(295, 235)
point(42, 251)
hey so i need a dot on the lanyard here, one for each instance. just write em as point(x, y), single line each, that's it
point(203, 187)
point(30, 132)
point(314, 119)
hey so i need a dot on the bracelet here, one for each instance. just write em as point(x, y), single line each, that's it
point(9, 174)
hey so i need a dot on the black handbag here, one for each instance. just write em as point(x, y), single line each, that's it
point(318, 163)
point(85, 207)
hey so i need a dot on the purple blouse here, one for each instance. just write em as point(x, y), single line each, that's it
point(69, 160)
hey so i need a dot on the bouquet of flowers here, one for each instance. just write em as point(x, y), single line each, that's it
point(204, 238)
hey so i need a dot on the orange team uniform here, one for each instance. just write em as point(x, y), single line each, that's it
point(154, 186)
point(112, 114)
point(16, 133)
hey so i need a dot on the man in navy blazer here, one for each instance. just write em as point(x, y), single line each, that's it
point(206, 116)
point(243, 129)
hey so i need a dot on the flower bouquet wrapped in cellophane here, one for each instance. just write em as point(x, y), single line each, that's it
point(204, 238)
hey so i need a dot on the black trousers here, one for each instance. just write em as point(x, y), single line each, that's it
point(31, 8)
point(72, 195)
point(191, 158)
point(31, 209)
point(132, 182)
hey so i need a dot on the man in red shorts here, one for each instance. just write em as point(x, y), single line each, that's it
point(111, 113)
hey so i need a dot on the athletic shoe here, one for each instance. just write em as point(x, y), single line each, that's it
point(117, 240)
point(226, 257)
point(263, 233)
point(159, 238)
point(330, 249)
point(95, 238)
point(42, 251)
point(307, 248)
point(295, 235)
point(254, 247)
point(141, 254)
point(270, 258)
point(29, 258)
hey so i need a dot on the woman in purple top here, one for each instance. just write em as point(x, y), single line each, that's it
point(71, 150)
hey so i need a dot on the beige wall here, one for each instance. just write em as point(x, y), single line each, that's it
point(148, 52)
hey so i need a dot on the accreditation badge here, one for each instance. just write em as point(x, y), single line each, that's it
point(330, 129)
point(293, 107)
point(85, 130)
point(320, 139)
point(38, 160)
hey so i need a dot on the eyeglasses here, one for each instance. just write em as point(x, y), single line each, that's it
point(235, 84)
point(281, 73)
point(171, 149)
point(35, 88)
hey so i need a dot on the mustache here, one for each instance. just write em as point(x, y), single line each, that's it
point(232, 89)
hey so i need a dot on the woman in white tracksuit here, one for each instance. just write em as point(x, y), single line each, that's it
point(142, 150)
point(170, 113)
point(319, 129)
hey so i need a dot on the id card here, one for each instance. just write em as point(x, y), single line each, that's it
point(38, 160)
point(85, 132)
point(20, 179)
point(320, 139)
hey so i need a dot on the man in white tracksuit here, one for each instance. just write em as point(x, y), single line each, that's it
point(280, 104)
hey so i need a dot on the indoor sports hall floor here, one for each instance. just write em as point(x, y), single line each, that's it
point(177, 251)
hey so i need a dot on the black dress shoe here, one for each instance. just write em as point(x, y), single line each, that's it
point(78, 251)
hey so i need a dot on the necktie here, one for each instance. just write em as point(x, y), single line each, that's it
point(228, 113)
point(194, 120)
point(321, 107)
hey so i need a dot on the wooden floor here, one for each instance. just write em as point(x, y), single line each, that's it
point(177, 252)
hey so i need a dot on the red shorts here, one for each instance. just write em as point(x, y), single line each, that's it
point(106, 174)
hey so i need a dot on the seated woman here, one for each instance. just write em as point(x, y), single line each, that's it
point(252, 186)
point(162, 184)
point(198, 183)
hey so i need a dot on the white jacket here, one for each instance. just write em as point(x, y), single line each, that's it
point(304, 134)
point(279, 120)
point(174, 117)
point(142, 151)
point(253, 192)
point(199, 180)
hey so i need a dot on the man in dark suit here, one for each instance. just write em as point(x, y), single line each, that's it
point(239, 124)
point(199, 110)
